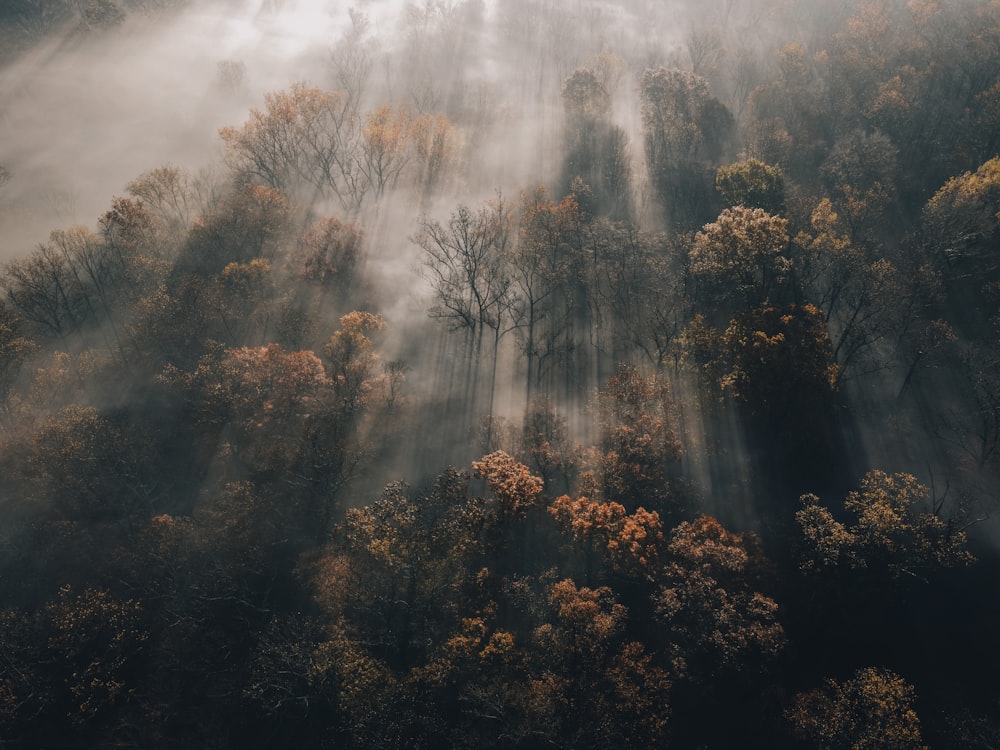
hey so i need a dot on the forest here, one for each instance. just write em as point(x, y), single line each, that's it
point(508, 374)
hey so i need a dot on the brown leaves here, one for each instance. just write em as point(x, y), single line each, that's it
point(638, 443)
point(94, 636)
point(633, 543)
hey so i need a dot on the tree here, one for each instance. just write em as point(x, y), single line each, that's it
point(544, 443)
point(350, 361)
point(743, 254)
point(790, 115)
point(44, 289)
point(872, 306)
point(467, 268)
point(304, 139)
point(860, 173)
point(435, 142)
point(591, 687)
point(717, 623)
point(69, 665)
point(170, 193)
point(960, 221)
point(596, 151)
point(513, 485)
point(259, 398)
point(240, 299)
point(98, 635)
point(683, 129)
point(638, 292)
point(752, 184)
point(14, 350)
point(545, 268)
point(385, 146)
point(248, 223)
point(890, 536)
point(873, 709)
point(391, 574)
point(91, 469)
point(632, 544)
point(328, 253)
point(584, 96)
point(639, 449)
point(782, 361)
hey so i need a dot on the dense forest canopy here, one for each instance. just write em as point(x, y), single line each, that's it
point(509, 373)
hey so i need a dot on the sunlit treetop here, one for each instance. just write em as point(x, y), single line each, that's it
point(511, 482)
point(872, 710)
point(752, 184)
point(890, 534)
point(742, 255)
point(962, 220)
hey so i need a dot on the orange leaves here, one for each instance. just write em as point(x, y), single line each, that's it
point(436, 143)
point(94, 636)
point(269, 379)
point(549, 225)
point(717, 621)
point(384, 143)
point(638, 442)
point(584, 517)
point(308, 139)
point(704, 543)
point(960, 221)
point(636, 547)
point(305, 137)
point(586, 619)
point(511, 483)
point(633, 543)
point(826, 538)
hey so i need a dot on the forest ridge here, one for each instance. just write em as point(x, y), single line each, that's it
point(533, 375)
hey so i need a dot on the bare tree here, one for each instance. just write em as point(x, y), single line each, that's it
point(467, 266)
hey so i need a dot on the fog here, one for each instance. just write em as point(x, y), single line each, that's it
point(87, 110)
point(499, 373)
point(83, 113)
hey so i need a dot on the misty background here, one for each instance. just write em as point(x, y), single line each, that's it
point(499, 373)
